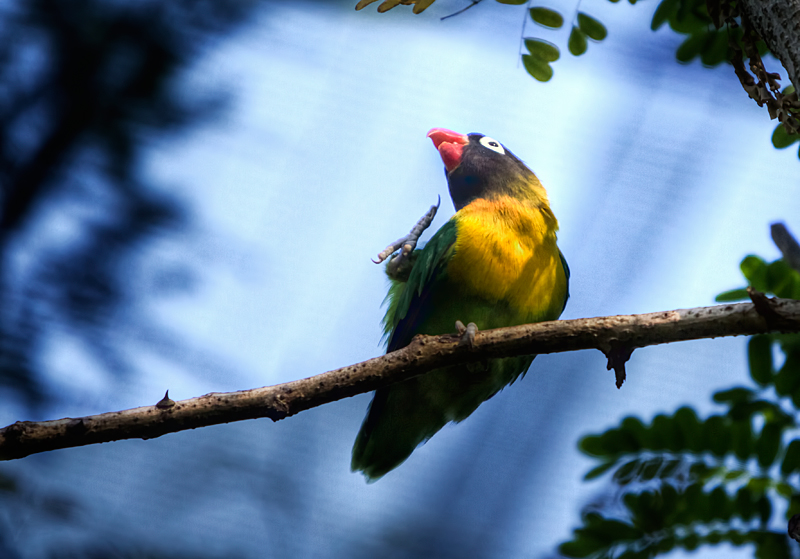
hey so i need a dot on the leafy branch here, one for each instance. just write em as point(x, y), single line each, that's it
point(681, 481)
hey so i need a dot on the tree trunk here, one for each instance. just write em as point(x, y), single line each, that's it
point(778, 23)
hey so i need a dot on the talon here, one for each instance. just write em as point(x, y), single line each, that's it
point(467, 333)
point(409, 242)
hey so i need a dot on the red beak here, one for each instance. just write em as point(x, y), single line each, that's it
point(450, 145)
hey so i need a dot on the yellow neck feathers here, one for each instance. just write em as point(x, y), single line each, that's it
point(506, 251)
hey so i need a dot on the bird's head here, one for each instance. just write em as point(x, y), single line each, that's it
point(478, 166)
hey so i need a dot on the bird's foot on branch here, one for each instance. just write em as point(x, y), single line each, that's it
point(407, 244)
point(467, 333)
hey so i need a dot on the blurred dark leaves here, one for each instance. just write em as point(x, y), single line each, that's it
point(681, 481)
point(85, 87)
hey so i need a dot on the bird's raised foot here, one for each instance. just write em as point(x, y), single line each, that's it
point(407, 244)
point(467, 333)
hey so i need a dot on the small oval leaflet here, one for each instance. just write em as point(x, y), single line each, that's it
point(536, 67)
point(547, 17)
point(591, 27)
point(782, 139)
point(542, 49)
point(577, 42)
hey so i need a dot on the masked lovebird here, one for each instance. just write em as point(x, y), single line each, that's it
point(494, 263)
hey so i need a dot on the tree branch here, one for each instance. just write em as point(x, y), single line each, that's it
point(424, 353)
point(787, 244)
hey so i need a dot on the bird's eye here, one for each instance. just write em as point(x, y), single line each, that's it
point(493, 145)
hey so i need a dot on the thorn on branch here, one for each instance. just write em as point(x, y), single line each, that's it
point(165, 403)
point(617, 356)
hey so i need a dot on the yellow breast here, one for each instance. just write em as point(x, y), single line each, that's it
point(506, 251)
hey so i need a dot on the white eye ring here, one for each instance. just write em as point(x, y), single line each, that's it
point(493, 145)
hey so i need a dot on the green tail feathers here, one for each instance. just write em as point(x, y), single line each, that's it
point(395, 425)
point(405, 415)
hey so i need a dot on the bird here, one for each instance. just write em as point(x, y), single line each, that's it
point(494, 263)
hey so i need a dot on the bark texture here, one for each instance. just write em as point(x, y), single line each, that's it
point(778, 23)
point(615, 336)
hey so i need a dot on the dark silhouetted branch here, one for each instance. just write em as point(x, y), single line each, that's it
point(787, 244)
point(615, 336)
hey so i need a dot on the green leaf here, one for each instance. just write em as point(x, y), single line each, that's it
point(744, 411)
point(734, 395)
point(670, 467)
point(720, 505)
point(577, 42)
point(788, 378)
point(614, 442)
point(635, 431)
point(768, 444)
point(717, 435)
point(734, 475)
point(759, 356)
point(744, 503)
point(743, 443)
point(666, 10)
point(782, 280)
point(598, 471)
point(536, 67)
point(764, 508)
point(690, 428)
point(690, 48)
point(650, 469)
point(784, 489)
point(759, 485)
point(688, 20)
point(579, 548)
point(542, 49)
point(791, 460)
point(715, 50)
point(794, 506)
point(591, 27)
point(613, 531)
point(666, 434)
point(627, 472)
point(770, 545)
point(736, 537)
point(592, 446)
point(696, 504)
point(732, 295)
point(547, 17)
point(702, 471)
point(755, 270)
point(782, 139)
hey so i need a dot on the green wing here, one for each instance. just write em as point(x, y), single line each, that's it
point(566, 273)
point(408, 301)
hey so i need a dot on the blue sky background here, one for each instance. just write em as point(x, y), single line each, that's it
point(662, 177)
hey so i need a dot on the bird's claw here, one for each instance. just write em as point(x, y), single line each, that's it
point(408, 243)
point(467, 333)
